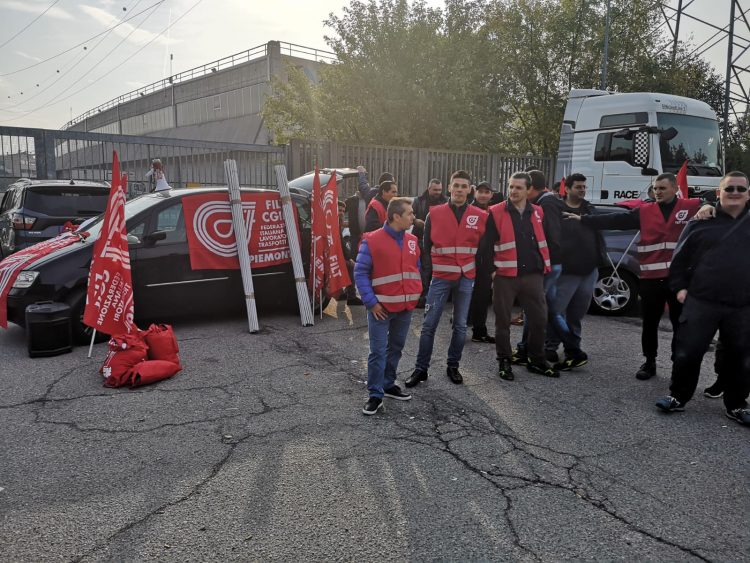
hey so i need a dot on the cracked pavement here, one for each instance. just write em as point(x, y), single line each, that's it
point(258, 450)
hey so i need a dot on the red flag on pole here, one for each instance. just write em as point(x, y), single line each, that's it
point(109, 299)
point(337, 275)
point(682, 182)
point(318, 246)
point(562, 187)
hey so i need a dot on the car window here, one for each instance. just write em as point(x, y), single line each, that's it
point(303, 212)
point(611, 148)
point(171, 221)
point(135, 234)
point(7, 199)
point(66, 201)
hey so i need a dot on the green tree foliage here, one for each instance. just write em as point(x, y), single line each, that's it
point(484, 75)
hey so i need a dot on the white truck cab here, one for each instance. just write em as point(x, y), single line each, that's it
point(621, 142)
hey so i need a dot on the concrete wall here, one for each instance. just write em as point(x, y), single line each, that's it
point(224, 105)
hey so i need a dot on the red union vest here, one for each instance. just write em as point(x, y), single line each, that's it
point(396, 280)
point(379, 209)
point(659, 237)
point(454, 245)
point(506, 255)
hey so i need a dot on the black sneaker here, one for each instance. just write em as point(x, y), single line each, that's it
point(740, 415)
point(486, 339)
point(505, 370)
point(670, 404)
point(416, 376)
point(373, 405)
point(396, 393)
point(572, 362)
point(713, 392)
point(646, 371)
point(551, 356)
point(543, 369)
point(519, 357)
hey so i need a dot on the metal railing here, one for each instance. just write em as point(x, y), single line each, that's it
point(77, 155)
point(242, 57)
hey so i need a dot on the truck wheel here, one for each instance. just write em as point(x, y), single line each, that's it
point(614, 295)
point(81, 333)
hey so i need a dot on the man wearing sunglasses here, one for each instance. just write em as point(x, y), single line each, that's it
point(710, 274)
point(661, 223)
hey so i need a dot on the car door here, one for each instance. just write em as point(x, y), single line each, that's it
point(165, 283)
point(6, 226)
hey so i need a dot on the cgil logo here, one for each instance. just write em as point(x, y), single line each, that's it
point(681, 215)
point(472, 220)
point(413, 246)
point(213, 226)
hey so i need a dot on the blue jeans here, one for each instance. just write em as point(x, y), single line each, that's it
point(437, 296)
point(387, 340)
point(572, 302)
point(550, 294)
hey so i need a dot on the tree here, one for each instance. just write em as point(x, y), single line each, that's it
point(484, 75)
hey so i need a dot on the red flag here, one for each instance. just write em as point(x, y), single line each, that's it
point(109, 300)
point(337, 275)
point(682, 182)
point(562, 187)
point(318, 246)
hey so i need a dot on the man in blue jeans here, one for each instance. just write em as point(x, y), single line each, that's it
point(552, 206)
point(452, 233)
point(581, 250)
point(388, 279)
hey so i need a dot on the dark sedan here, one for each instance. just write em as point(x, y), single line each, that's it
point(165, 285)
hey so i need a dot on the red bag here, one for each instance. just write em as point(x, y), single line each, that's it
point(151, 371)
point(162, 344)
point(125, 352)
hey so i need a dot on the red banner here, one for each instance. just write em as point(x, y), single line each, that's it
point(682, 182)
point(15, 263)
point(109, 299)
point(319, 245)
point(210, 232)
point(337, 275)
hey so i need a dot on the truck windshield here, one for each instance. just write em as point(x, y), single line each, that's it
point(697, 141)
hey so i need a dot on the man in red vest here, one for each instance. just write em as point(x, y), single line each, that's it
point(375, 217)
point(521, 259)
point(452, 233)
point(661, 224)
point(388, 279)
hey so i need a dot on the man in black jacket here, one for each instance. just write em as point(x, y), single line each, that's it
point(482, 293)
point(710, 273)
point(552, 207)
point(581, 252)
point(432, 196)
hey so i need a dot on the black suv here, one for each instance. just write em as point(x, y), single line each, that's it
point(165, 286)
point(33, 211)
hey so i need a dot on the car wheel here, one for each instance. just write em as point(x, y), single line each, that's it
point(81, 333)
point(614, 295)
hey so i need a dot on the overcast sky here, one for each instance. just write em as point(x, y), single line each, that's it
point(137, 52)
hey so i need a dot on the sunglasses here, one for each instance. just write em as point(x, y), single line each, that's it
point(732, 189)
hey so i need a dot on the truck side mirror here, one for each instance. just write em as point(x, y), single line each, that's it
point(669, 134)
point(641, 149)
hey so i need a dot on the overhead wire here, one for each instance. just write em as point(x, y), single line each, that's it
point(36, 64)
point(75, 63)
point(28, 25)
point(113, 69)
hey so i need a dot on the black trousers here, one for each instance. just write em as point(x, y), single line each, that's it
point(698, 324)
point(480, 301)
point(655, 294)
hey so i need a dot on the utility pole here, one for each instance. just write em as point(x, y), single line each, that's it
point(676, 31)
point(730, 63)
point(605, 52)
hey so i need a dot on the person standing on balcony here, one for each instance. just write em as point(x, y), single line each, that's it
point(156, 174)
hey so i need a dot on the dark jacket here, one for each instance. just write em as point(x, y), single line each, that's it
point(711, 266)
point(581, 247)
point(529, 258)
point(421, 208)
point(552, 223)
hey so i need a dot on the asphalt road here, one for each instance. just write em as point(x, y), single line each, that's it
point(258, 450)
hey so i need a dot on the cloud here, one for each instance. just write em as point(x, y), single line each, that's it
point(35, 9)
point(134, 35)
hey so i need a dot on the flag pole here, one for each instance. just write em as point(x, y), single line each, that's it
point(614, 268)
point(312, 264)
point(91, 346)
